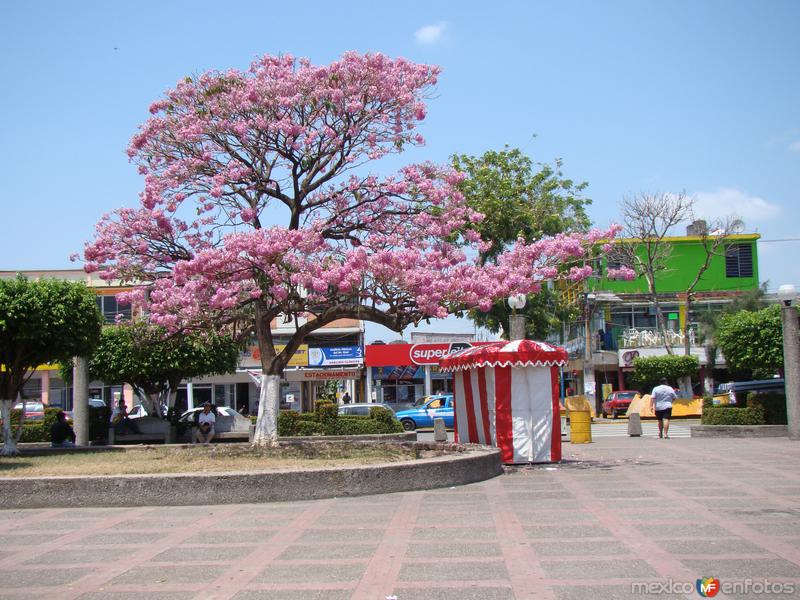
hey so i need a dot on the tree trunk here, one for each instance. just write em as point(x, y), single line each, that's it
point(687, 344)
point(685, 384)
point(266, 433)
point(711, 363)
point(9, 440)
point(154, 404)
point(80, 400)
point(660, 320)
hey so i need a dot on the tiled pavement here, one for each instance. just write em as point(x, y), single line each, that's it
point(634, 512)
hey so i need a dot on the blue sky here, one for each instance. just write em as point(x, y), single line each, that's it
point(633, 96)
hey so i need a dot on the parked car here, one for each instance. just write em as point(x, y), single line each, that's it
point(228, 419)
point(34, 411)
point(361, 409)
point(617, 403)
point(425, 410)
point(137, 412)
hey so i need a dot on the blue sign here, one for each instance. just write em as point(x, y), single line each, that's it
point(338, 355)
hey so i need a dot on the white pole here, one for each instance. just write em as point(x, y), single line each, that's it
point(791, 368)
point(369, 384)
point(189, 395)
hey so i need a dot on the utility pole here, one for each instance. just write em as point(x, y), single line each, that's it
point(791, 358)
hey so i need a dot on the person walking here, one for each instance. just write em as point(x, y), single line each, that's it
point(661, 399)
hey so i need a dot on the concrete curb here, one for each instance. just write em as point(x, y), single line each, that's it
point(716, 431)
point(471, 464)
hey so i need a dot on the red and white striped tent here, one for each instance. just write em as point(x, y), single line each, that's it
point(506, 395)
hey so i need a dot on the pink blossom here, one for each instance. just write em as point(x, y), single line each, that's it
point(289, 139)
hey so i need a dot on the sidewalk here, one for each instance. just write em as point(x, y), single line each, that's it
point(634, 511)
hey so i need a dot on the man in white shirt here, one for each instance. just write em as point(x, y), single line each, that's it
point(661, 399)
point(205, 424)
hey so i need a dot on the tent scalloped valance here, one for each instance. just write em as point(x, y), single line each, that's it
point(519, 353)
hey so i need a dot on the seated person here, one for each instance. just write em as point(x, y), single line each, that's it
point(205, 421)
point(120, 420)
point(61, 433)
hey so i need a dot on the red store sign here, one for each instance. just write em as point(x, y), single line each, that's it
point(399, 355)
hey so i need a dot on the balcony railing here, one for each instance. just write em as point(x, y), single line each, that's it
point(649, 338)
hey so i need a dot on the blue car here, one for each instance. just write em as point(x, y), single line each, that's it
point(427, 409)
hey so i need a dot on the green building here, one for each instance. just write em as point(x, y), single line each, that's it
point(618, 321)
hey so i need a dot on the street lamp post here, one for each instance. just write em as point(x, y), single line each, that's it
point(791, 358)
point(516, 322)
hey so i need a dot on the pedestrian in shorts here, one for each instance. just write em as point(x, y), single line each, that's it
point(661, 399)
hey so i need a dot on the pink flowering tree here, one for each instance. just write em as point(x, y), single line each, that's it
point(258, 204)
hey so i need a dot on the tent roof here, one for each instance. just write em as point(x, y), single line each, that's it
point(519, 353)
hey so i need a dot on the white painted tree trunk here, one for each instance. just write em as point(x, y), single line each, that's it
point(154, 405)
point(685, 384)
point(266, 433)
point(9, 441)
point(708, 385)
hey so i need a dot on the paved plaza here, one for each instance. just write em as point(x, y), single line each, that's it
point(628, 518)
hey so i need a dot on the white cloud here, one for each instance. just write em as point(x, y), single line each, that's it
point(794, 146)
point(727, 201)
point(430, 34)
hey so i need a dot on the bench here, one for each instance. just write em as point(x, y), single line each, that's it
point(224, 435)
point(136, 438)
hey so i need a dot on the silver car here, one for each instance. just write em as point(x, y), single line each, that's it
point(362, 409)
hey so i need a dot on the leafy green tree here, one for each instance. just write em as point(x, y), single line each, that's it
point(154, 363)
point(649, 370)
point(709, 322)
point(521, 199)
point(41, 322)
point(753, 341)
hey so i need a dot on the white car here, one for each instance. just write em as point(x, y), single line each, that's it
point(362, 409)
point(228, 419)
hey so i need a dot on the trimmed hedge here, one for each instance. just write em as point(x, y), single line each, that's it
point(724, 415)
point(325, 420)
point(774, 406)
point(649, 370)
point(39, 431)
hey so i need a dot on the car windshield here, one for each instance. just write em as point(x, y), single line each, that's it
point(626, 395)
point(30, 407)
point(422, 401)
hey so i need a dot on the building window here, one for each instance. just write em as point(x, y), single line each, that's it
point(739, 260)
point(110, 308)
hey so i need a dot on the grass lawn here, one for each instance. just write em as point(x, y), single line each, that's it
point(204, 459)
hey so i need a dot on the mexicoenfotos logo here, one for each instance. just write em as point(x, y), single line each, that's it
point(708, 587)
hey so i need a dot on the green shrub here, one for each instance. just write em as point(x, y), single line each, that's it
point(327, 415)
point(649, 370)
point(309, 428)
point(385, 420)
point(708, 402)
point(724, 415)
point(325, 420)
point(35, 432)
point(774, 406)
point(355, 425)
point(287, 422)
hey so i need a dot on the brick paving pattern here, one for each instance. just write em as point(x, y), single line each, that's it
point(628, 511)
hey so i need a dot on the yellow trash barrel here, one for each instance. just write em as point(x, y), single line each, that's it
point(580, 426)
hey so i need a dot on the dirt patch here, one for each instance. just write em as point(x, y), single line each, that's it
point(211, 459)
